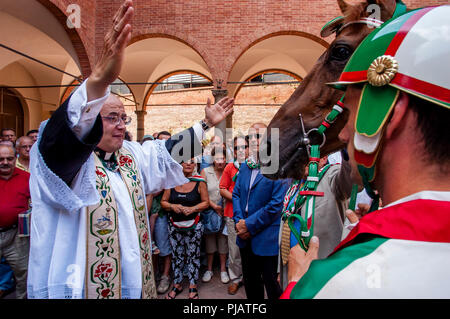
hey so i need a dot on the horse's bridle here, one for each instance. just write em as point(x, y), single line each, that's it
point(305, 141)
point(375, 23)
point(308, 192)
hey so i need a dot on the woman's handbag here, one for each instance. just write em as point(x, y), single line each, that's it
point(212, 222)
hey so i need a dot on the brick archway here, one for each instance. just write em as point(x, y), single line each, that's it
point(168, 75)
point(152, 57)
point(80, 38)
point(256, 38)
point(291, 51)
point(184, 38)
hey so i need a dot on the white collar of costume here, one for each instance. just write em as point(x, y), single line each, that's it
point(108, 156)
point(431, 195)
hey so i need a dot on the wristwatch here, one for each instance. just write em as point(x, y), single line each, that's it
point(205, 126)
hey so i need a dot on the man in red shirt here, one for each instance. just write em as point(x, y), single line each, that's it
point(14, 199)
point(226, 186)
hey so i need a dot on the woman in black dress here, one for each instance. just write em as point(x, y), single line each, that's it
point(184, 204)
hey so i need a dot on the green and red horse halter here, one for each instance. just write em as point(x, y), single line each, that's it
point(308, 191)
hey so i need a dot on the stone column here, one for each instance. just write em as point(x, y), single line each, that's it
point(140, 124)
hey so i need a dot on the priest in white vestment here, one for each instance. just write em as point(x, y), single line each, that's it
point(90, 233)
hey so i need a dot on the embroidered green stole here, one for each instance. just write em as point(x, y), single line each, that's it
point(103, 273)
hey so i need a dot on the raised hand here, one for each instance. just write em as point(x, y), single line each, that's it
point(108, 66)
point(218, 112)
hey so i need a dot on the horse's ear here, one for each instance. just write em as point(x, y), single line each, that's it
point(343, 6)
point(387, 8)
point(331, 27)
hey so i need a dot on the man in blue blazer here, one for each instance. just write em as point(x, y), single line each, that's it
point(257, 205)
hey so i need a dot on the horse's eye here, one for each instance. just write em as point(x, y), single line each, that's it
point(341, 53)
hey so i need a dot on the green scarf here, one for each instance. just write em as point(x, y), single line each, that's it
point(196, 178)
point(252, 164)
point(237, 165)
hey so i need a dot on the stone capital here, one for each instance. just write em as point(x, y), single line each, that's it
point(219, 94)
point(140, 113)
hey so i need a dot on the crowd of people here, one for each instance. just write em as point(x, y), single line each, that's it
point(245, 206)
point(181, 218)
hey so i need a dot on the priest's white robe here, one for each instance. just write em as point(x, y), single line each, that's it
point(57, 262)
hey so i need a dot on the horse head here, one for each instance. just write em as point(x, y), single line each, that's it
point(313, 98)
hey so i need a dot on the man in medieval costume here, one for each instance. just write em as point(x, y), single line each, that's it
point(398, 99)
point(90, 233)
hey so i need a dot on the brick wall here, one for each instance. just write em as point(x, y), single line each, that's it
point(220, 31)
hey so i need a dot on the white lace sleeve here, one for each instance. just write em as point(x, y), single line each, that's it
point(47, 187)
point(158, 169)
